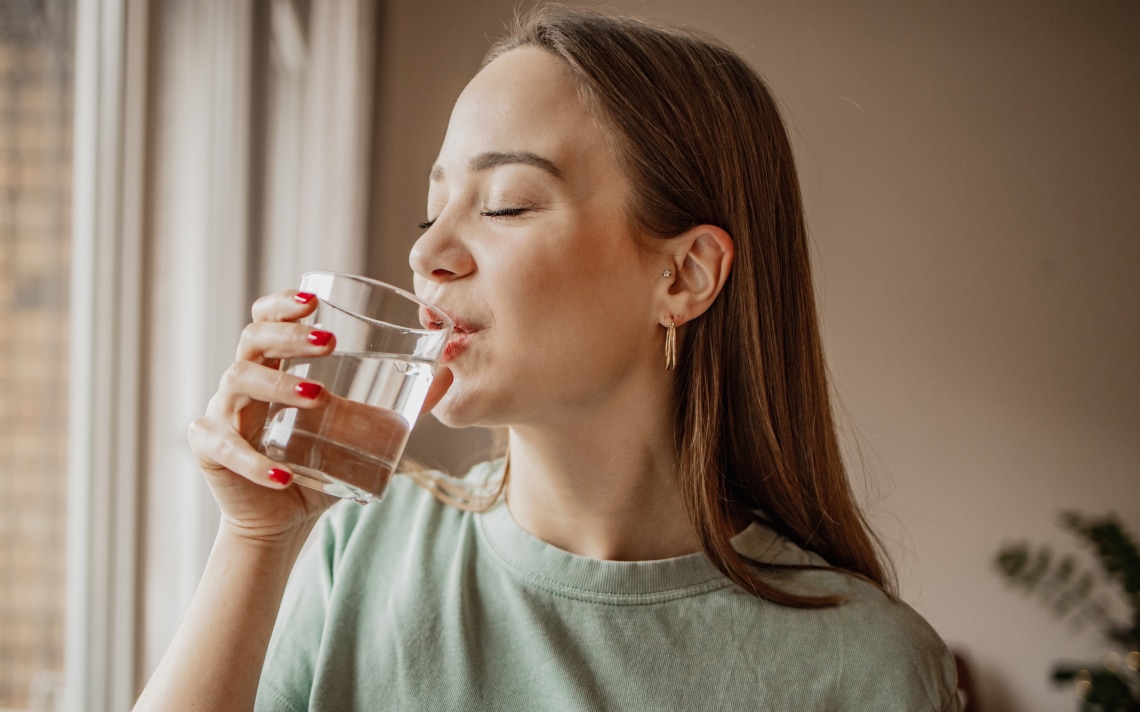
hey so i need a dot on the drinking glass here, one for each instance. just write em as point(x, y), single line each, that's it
point(388, 343)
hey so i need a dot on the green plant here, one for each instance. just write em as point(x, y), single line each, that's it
point(1077, 592)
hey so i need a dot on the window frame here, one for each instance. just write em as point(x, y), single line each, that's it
point(168, 238)
point(105, 370)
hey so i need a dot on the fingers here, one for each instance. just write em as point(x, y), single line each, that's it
point(245, 381)
point(284, 306)
point(218, 448)
point(439, 385)
point(263, 341)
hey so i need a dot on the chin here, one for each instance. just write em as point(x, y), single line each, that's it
point(460, 409)
point(469, 407)
point(449, 418)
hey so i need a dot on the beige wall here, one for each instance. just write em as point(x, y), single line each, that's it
point(972, 184)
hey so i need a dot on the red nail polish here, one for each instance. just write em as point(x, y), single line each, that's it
point(281, 477)
point(319, 338)
point(303, 297)
point(308, 390)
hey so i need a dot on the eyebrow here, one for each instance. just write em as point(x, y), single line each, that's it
point(494, 159)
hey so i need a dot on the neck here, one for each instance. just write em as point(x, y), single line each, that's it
point(602, 486)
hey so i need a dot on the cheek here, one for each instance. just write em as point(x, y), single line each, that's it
point(570, 289)
point(597, 316)
point(531, 287)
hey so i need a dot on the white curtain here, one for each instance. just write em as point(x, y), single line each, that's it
point(319, 124)
point(215, 244)
point(198, 287)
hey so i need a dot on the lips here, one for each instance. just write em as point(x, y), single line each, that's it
point(430, 317)
point(460, 334)
point(455, 345)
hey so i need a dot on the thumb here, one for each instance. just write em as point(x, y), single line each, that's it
point(440, 383)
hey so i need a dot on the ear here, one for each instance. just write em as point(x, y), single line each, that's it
point(701, 259)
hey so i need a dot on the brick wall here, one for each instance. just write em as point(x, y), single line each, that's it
point(36, 39)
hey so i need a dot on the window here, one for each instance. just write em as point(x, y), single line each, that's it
point(36, 57)
point(186, 171)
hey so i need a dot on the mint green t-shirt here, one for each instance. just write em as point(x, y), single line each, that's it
point(410, 604)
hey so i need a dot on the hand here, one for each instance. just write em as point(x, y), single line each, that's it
point(255, 493)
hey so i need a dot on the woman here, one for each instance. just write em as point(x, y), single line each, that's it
point(614, 222)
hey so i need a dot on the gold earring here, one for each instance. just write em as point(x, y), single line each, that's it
point(670, 347)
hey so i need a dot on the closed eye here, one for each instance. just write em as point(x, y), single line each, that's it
point(499, 213)
point(503, 212)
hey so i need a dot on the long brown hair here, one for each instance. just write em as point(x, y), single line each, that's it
point(701, 140)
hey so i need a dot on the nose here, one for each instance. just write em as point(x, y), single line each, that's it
point(440, 256)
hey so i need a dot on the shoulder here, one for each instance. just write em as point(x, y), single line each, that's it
point(402, 500)
point(408, 518)
point(886, 644)
point(347, 520)
point(875, 647)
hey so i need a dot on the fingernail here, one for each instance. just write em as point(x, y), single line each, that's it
point(308, 390)
point(281, 477)
point(303, 297)
point(319, 338)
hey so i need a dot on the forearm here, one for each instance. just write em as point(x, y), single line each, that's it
point(215, 660)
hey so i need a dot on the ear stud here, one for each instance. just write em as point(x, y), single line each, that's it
point(667, 273)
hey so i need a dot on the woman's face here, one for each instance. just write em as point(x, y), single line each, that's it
point(529, 250)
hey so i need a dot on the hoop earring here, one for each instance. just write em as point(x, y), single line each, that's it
point(670, 347)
